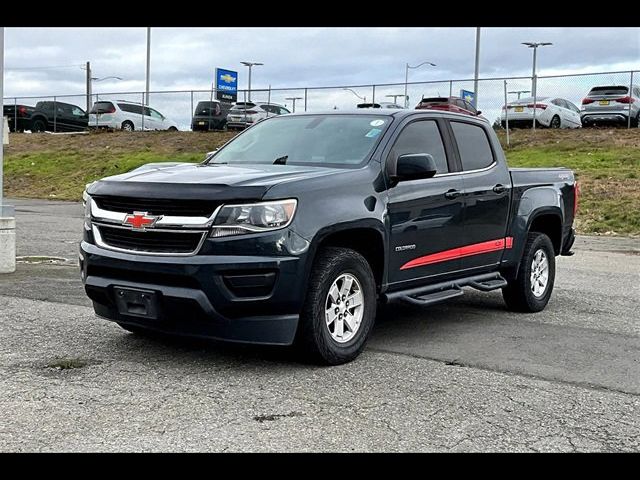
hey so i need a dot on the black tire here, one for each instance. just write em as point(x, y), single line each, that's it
point(314, 339)
point(172, 129)
point(518, 294)
point(635, 122)
point(555, 122)
point(38, 125)
point(127, 126)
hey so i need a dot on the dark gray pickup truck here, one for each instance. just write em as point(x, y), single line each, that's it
point(295, 230)
point(46, 116)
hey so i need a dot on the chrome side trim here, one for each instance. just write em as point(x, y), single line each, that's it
point(101, 243)
point(108, 216)
point(464, 172)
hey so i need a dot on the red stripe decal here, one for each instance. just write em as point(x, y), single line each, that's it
point(459, 252)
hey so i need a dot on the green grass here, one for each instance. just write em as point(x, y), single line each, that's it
point(606, 163)
point(608, 176)
point(63, 176)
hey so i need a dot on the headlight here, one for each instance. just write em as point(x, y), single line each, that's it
point(253, 217)
point(86, 203)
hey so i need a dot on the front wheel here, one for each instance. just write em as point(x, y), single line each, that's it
point(531, 289)
point(38, 126)
point(340, 307)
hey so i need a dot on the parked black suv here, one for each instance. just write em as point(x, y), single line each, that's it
point(210, 115)
point(296, 228)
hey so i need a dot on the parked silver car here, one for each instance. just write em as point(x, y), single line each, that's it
point(245, 114)
point(611, 104)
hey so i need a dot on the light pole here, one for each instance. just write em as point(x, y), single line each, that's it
point(477, 69)
point(250, 64)
point(519, 92)
point(535, 46)
point(294, 101)
point(406, 79)
point(364, 99)
point(146, 102)
point(534, 79)
point(394, 96)
point(96, 79)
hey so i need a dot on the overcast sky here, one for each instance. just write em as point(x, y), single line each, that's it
point(185, 58)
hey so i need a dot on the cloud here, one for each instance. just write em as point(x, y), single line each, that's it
point(185, 58)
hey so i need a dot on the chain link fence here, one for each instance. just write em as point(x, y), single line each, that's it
point(179, 105)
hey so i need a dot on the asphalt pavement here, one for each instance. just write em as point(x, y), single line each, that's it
point(466, 375)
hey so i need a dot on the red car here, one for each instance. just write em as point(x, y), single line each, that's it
point(450, 104)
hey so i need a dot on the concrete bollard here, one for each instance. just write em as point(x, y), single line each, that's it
point(7, 244)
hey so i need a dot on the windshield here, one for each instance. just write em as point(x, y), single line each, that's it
point(333, 140)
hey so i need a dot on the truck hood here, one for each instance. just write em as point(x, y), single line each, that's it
point(199, 181)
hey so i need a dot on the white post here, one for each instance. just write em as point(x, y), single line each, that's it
point(506, 112)
point(7, 215)
point(148, 64)
point(477, 69)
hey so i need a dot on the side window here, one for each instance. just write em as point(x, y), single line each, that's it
point(155, 114)
point(556, 101)
point(147, 111)
point(422, 136)
point(283, 111)
point(268, 108)
point(473, 145)
point(77, 112)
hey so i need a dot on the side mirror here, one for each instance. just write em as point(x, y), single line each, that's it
point(415, 166)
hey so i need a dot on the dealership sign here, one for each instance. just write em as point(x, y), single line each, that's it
point(226, 85)
point(467, 95)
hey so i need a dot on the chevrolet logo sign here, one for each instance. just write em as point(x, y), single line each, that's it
point(140, 221)
point(227, 78)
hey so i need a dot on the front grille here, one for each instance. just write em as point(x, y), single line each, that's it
point(154, 206)
point(151, 241)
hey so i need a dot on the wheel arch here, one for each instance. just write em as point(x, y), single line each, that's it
point(540, 209)
point(365, 237)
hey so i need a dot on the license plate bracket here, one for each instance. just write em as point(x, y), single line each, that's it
point(137, 302)
point(519, 109)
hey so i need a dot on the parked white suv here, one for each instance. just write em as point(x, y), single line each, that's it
point(245, 114)
point(128, 116)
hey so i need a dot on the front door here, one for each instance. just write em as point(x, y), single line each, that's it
point(425, 216)
point(487, 193)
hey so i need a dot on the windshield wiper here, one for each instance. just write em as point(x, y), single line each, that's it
point(281, 160)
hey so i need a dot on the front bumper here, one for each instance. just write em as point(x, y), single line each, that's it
point(202, 295)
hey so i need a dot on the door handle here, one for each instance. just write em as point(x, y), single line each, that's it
point(451, 194)
point(499, 188)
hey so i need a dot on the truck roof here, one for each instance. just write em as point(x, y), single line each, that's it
point(400, 113)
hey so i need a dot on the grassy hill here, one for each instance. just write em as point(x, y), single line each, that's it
point(606, 161)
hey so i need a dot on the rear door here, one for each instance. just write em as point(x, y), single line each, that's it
point(425, 216)
point(487, 190)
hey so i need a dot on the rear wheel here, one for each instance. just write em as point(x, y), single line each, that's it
point(531, 289)
point(555, 122)
point(173, 129)
point(340, 307)
point(38, 125)
point(635, 122)
point(127, 126)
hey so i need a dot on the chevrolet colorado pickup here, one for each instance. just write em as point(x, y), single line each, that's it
point(295, 231)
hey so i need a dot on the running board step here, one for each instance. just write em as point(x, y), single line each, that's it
point(433, 297)
point(488, 285)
